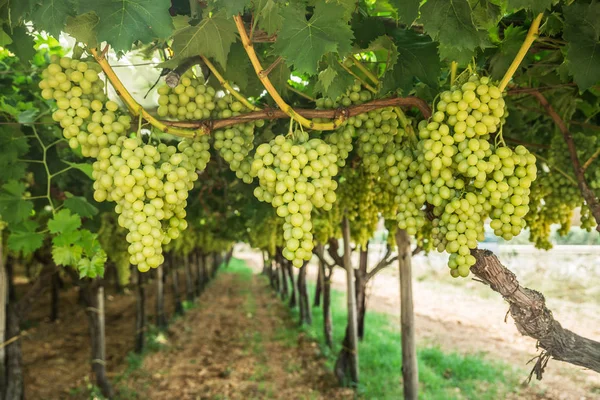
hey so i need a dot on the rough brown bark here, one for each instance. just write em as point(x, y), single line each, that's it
point(319, 285)
point(161, 318)
point(94, 298)
point(327, 321)
point(284, 280)
point(361, 290)
point(140, 312)
point(14, 358)
point(534, 319)
point(175, 285)
point(293, 286)
point(410, 372)
point(189, 286)
point(346, 366)
point(305, 311)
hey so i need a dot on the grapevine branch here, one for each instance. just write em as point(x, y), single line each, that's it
point(586, 192)
point(529, 39)
point(134, 107)
point(591, 160)
point(355, 76)
point(533, 318)
point(310, 113)
point(286, 108)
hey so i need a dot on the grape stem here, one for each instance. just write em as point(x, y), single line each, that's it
point(410, 101)
point(134, 107)
point(529, 39)
point(365, 71)
point(300, 93)
point(591, 159)
point(227, 86)
point(453, 68)
point(559, 170)
point(286, 108)
point(362, 81)
point(586, 192)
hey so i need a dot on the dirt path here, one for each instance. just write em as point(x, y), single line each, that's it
point(454, 316)
point(236, 345)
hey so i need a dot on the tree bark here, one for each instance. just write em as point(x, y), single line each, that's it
point(200, 279)
point(217, 260)
point(140, 312)
point(205, 271)
point(14, 357)
point(228, 256)
point(319, 286)
point(327, 322)
point(175, 285)
point(161, 319)
point(94, 297)
point(361, 290)
point(534, 319)
point(284, 280)
point(55, 297)
point(305, 311)
point(189, 286)
point(293, 297)
point(346, 367)
point(410, 373)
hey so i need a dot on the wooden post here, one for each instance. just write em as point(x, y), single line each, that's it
point(95, 310)
point(161, 319)
point(351, 298)
point(175, 285)
point(293, 297)
point(140, 312)
point(284, 282)
point(305, 311)
point(410, 372)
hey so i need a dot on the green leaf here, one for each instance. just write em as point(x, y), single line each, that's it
point(326, 78)
point(507, 50)
point(66, 255)
point(303, 43)
point(14, 145)
point(385, 50)
point(19, 10)
point(450, 22)
point(13, 208)
point(268, 16)
point(28, 116)
point(25, 241)
point(337, 78)
point(22, 44)
point(82, 28)
point(80, 205)
point(212, 37)
point(486, 14)
point(124, 22)
point(89, 242)
point(92, 268)
point(582, 31)
point(83, 167)
point(537, 6)
point(231, 7)
point(408, 10)
point(64, 222)
point(418, 57)
point(238, 70)
point(51, 15)
point(4, 38)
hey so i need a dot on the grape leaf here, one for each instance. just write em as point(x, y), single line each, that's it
point(385, 50)
point(303, 43)
point(238, 70)
point(212, 37)
point(83, 167)
point(508, 48)
point(13, 208)
point(486, 14)
point(64, 222)
point(279, 77)
point(14, 145)
point(339, 83)
point(82, 28)
point(4, 38)
point(91, 268)
point(582, 31)
point(124, 22)
point(25, 241)
point(408, 10)
point(537, 6)
point(51, 15)
point(418, 57)
point(89, 242)
point(450, 22)
point(366, 29)
point(66, 255)
point(269, 19)
point(80, 206)
point(22, 44)
point(231, 7)
point(19, 10)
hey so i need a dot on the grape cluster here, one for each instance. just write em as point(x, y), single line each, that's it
point(89, 120)
point(189, 100)
point(150, 185)
point(294, 177)
point(466, 177)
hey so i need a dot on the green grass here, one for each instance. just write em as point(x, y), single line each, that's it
point(442, 375)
